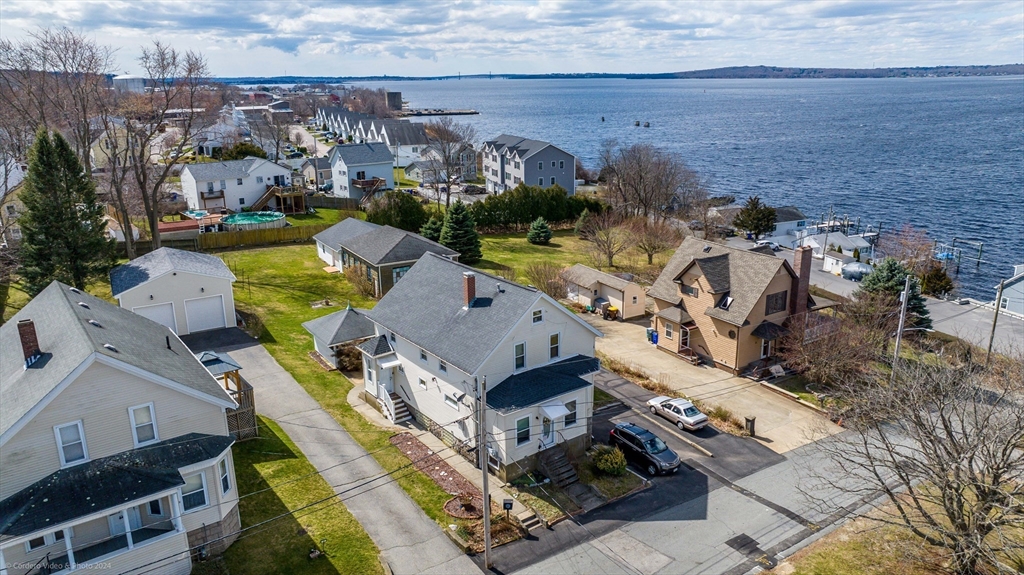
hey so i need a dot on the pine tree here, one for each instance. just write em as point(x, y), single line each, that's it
point(63, 229)
point(888, 279)
point(755, 217)
point(432, 229)
point(459, 233)
point(581, 222)
point(856, 254)
point(540, 233)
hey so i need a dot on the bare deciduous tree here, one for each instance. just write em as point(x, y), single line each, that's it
point(653, 236)
point(271, 134)
point(547, 277)
point(910, 246)
point(643, 180)
point(607, 235)
point(368, 101)
point(449, 148)
point(942, 443)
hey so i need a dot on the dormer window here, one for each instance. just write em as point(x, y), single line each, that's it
point(725, 302)
point(689, 290)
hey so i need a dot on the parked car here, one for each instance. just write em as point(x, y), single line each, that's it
point(855, 271)
point(774, 246)
point(679, 411)
point(295, 155)
point(644, 449)
point(326, 187)
point(473, 190)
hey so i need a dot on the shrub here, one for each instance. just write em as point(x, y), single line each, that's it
point(540, 233)
point(610, 460)
point(357, 277)
point(581, 222)
point(856, 254)
point(936, 282)
point(516, 209)
point(547, 277)
point(398, 210)
point(349, 358)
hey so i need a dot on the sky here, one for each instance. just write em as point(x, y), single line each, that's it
point(435, 37)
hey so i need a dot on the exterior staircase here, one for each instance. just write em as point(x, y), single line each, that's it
point(401, 410)
point(529, 520)
point(554, 463)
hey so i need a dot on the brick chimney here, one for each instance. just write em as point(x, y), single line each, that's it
point(802, 267)
point(29, 341)
point(468, 288)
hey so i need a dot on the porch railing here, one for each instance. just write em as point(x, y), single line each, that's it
point(386, 401)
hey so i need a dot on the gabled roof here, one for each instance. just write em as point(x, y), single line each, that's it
point(228, 169)
point(344, 230)
point(155, 264)
point(362, 154)
point(320, 163)
point(788, 214)
point(341, 326)
point(523, 147)
point(742, 273)
point(376, 347)
point(386, 245)
point(763, 249)
point(429, 301)
point(67, 339)
point(100, 484)
point(404, 133)
point(580, 274)
point(675, 314)
point(542, 383)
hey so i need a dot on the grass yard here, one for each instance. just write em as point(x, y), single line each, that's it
point(403, 182)
point(796, 384)
point(282, 479)
point(610, 486)
point(324, 216)
point(283, 281)
point(602, 398)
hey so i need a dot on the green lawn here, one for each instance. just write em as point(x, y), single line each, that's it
point(283, 545)
point(602, 397)
point(324, 216)
point(402, 182)
point(796, 384)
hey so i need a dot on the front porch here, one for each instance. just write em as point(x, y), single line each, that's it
point(677, 333)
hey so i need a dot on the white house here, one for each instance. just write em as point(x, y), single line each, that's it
point(185, 291)
point(233, 184)
point(511, 160)
point(114, 443)
point(405, 139)
point(535, 357)
point(361, 170)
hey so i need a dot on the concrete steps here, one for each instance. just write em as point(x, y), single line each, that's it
point(555, 464)
point(401, 410)
point(529, 520)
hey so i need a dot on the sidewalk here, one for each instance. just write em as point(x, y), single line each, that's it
point(461, 464)
point(782, 425)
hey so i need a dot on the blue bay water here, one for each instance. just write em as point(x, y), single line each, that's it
point(943, 154)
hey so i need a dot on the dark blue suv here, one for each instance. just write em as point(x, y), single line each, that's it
point(644, 449)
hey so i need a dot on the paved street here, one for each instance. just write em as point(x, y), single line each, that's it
point(408, 540)
point(726, 514)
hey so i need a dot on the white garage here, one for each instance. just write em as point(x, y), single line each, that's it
point(204, 313)
point(162, 313)
point(186, 291)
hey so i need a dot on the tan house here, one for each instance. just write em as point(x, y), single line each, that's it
point(114, 443)
point(728, 306)
point(587, 286)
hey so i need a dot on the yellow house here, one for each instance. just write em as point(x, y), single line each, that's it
point(728, 306)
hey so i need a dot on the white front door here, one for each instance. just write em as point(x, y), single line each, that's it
point(546, 431)
point(116, 521)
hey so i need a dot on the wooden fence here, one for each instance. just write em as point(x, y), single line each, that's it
point(221, 240)
point(332, 202)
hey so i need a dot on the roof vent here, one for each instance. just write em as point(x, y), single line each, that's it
point(95, 323)
point(111, 348)
point(75, 290)
point(500, 289)
point(707, 248)
point(83, 304)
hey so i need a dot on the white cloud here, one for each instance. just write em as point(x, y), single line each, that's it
point(413, 37)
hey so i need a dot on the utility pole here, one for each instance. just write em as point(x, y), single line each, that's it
point(824, 244)
point(905, 297)
point(482, 448)
point(995, 318)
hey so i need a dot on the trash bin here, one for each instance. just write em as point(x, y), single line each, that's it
point(650, 334)
point(750, 425)
point(654, 338)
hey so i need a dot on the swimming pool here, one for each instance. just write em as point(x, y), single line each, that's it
point(253, 221)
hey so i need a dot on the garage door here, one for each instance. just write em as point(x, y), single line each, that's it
point(205, 313)
point(162, 313)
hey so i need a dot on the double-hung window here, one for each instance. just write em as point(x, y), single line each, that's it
point(553, 342)
point(570, 418)
point(223, 184)
point(238, 182)
point(540, 165)
point(561, 164)
point(143, 424)
point(209, 186)
point(775, 303)
point(442, 366)
point(540, 181)
point(552, 180)
point(523, 430)
point(71, 443)
point(423, 355)
point(520, 355)
point(225, 479)
point(538, 315)
point(193, 493)
point(668, 331)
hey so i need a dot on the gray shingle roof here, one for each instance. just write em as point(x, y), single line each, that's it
point(788, 214)
point(524, 147)
point(540, 384)
point(66, 339)
point(675, 314)
point(341, 326)
point(405, 133)
point(768, 330)
point(743, 273)
point(226, 170)
point(580, 274)
point(429, 301)
point(348, 228)
point(763, 249)
point(103, 483)
point(386, 245)
point(376, 347)
point(362, 154)
point(155, 264)
point(320, 163)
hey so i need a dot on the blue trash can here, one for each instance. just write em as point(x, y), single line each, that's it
point(654, 338)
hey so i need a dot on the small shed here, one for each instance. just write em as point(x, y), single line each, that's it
point(834, 262)
point(242, 421)
point(334, 332)
point(586, 285)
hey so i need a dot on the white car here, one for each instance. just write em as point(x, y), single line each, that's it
point(774, 246)
point(678, 411)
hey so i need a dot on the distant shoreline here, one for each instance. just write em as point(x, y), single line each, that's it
point(734, 72)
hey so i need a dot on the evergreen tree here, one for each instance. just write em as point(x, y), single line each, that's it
point(755, 218)
point(888, 279)
point(397, 209)
point(856, 254)
point(459, 233)
point(63, 232)
point(936, 281)
point(432, 229)
point(243, 150)
point(581, 222)
point(540, 233)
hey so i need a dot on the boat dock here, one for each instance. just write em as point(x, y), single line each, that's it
point(435, 112)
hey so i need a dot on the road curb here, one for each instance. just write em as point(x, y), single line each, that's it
point(792, 396)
